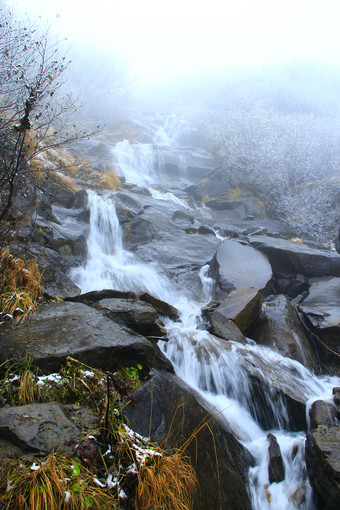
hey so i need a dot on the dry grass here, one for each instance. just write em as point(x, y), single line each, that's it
point(166, 481)
point(56, 483)
point(21, 289)
point(234, 194)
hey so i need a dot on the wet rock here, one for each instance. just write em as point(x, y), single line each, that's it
point(127, 207)
point(182, 219)
point(336, 397)
point(161, 306)
point(322, 308)
point(293, 258)
point(323, 465)
point(242, 306)
point(226, 328)
point(280, 328)
point(322, 413)
point(276, 470)
point(178, 249)
point(66, 329)
point(223, 205)
point(167, 409)
point(39, 427)
point(132, 313)
point(89, 298)
point(237, 266)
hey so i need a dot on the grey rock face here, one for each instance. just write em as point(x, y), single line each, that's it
point(237, 266)
point(280, 328)
point(39, 427)
point(242, 306)
point(166, 407)
point(322, 308)
point(323, 464)
point(74, 329)
point(292, 258)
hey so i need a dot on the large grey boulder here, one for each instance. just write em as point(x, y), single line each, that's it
point(65, 329)
point(280, 328)
point(322, 308)
point(294, 258)
point(236, 266)
point(323, 465)
point(167, 409)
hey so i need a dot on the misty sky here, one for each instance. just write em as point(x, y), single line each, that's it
point(161, 39)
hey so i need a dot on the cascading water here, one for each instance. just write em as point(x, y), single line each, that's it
point(219, 370)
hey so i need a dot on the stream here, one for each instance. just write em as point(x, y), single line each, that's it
point(199, 358)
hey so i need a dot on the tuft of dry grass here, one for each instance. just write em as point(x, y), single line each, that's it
point(166, 481)
point(57, 482)
point(20, 289)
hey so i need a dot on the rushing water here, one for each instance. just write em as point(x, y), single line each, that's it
point(219, 370)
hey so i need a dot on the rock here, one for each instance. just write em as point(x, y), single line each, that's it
point(161, 306)
point(237, 266)
point(66, 329)
point(280, 328)
point(323, 465)
point(39, 427)
point(322, 413)
point(89, 298)
point(293, 258)
point(167, 409)
point(322, 308)
point(134, 314)
point(336, 397)
point(226, 328)
point(223, 205)
point(183, 219)
point(276, 470)
point(176, 249)
point(242, 306)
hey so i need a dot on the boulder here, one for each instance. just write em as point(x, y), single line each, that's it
point(39, 427)
point(132, 313)
point(89, 298)
point(66, 329)
point(236, 266)
point(280, 328)
point(294, 258)
point(175, 249)
point(276, 470)
point(322, 308)
point(168, 410)
point(161, 306)
point(323, 465)
point(242, 306)
point(322, 413)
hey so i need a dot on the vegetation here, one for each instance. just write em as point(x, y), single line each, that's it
point(133, 472)
point(20, 287)
point(33, 107)
point(290, 159)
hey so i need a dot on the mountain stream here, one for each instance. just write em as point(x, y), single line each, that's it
point(200, 359)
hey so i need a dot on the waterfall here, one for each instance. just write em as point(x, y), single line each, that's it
point(219, 370)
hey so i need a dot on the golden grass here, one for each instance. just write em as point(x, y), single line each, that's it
point(57, 482)
point(234, 194)
point(166, 482)
point(21, 288)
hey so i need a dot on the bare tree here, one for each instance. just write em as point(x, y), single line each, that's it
point(292, 160)
point(33, 107)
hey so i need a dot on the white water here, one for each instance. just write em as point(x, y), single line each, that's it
point(217, 369)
